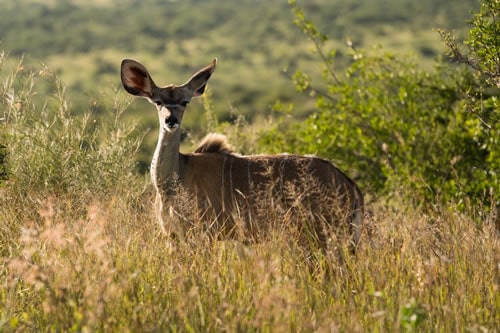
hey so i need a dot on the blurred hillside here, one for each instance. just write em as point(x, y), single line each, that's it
point(254, 41)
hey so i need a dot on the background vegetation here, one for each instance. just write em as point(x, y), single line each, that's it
point(435, 131)
point(79, 245)
point(256, 43)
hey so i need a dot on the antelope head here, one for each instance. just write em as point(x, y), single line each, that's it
point(170, 101)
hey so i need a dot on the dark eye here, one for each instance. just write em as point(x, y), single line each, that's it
point(185, 103)
point(158, 103)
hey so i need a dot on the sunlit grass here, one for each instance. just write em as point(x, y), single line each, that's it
point(107, 267)
point(81, 250)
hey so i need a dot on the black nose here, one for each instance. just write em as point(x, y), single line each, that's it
point(171, 121)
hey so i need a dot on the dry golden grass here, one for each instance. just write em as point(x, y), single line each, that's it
point(106, 266)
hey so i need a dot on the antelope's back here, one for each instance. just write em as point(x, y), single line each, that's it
point(228, 180)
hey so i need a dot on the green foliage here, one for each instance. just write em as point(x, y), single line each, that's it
point(71, 26)
point(412, 316)
point(395, 125)
point(84, 41)
point(482, 93)
point(482, 43)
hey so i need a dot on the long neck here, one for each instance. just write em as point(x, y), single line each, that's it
point(165, 164)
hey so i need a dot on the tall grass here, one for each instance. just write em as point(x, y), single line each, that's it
point(81, 250)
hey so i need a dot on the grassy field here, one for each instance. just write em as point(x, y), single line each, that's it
point(80, 246)
point(81, 250)
point(101, 265)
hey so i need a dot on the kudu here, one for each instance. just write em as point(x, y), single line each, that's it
point(229, 188)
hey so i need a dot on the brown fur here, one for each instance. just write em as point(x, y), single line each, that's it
point(231, 187)
point(214, 143)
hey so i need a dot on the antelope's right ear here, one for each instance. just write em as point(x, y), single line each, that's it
point(136, 79)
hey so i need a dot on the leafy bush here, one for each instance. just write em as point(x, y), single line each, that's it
point(481, 95)
point(395, 126)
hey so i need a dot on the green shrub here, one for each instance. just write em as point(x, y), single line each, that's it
point(395, 126)
point(480, 53)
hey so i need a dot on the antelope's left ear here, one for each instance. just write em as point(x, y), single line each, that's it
point(198, 82)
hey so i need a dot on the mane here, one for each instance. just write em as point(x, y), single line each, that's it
point(214, 143)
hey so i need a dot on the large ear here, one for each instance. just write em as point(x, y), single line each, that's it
point(198, 81)
point(136, 79)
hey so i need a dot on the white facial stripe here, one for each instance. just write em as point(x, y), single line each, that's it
point(170, 129)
